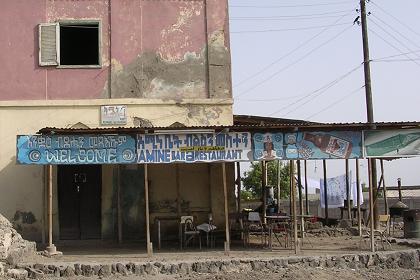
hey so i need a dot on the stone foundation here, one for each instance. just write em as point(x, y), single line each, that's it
point(408, 259)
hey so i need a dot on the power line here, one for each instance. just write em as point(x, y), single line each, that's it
point(396, 55)
point(302, 15)
point(316, 92)
point(287, 54)
point(291, 6)
point(391, 35)
point(294, 62)
point(396, 19)
point(288, 29)
point(335, 103)
point(279, 18)
point(396, 31)
point(396, 60)
point(390, 44)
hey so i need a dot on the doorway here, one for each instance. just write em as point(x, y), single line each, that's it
point(79, 201)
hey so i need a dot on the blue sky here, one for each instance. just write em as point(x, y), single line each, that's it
point(302, 59)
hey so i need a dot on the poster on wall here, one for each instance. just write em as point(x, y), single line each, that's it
point(323, 145)
point(194, 147)
point(75, 149)
point(392, 143)
point(268, 146)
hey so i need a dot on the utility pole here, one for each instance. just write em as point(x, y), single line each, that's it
point(369, 103)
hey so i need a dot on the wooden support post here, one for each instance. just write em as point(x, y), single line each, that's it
point(227, 242)
point(324, 163)
point(306, 187)
point(290, 187)
point(384, 188)
point(51, 249)
point(119, 210)
point(348, 197)
point(359, 218)
point(238, 184)
point(146, 197)
point(178, 203)
point(278, 185)
point(371, 208)
point(299, 187)
point(293, 196)
point(264, 190)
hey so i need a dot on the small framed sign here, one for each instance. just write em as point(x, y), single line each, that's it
point(113, 114)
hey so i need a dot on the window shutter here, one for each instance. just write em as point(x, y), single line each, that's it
point(49, 44)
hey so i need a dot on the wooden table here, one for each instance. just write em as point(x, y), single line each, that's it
point(159, 219)
point(274, 220)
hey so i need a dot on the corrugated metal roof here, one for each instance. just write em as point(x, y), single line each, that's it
point(244, 123)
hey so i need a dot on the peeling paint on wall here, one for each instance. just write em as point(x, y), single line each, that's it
point(149, 76)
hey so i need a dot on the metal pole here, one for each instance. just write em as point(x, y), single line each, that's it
point(369, 102)
point(238, 183)
point(359, 218)
point(349, 206)
point(306, 188)
point(384, 188)
point(264, 194)
point(293, 196)
point(227, 243)
point(324, 163)
point(278, 185)
point(372, 222)
point(146, 196)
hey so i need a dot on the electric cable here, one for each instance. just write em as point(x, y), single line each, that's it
point(335, 103)
point(318, 91)
point(294, 62)
point(249, 78)
point(292, 6)
point(288, 29)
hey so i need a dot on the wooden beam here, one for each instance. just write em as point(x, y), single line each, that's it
point(359, 218)
point(348, 198)
point(238, 184)
point(264, 190)
point(324, 163)
point(278, 185)
point(146, 196)
point(306, 187)
point(227, 242)
point(119, 210)
point(371, 208)
point(384, 188)
point(51, 250)
point(293, 196)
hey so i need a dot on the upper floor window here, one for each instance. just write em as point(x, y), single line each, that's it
point(70, 44)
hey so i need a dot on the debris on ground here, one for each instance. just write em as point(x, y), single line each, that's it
point(13, 248)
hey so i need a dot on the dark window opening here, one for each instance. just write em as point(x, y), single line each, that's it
point(79, 44)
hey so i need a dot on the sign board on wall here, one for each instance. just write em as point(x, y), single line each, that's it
point(308, 145)
point(113, 114)
point(194, 147)
point(392, 143)
point(75, 149)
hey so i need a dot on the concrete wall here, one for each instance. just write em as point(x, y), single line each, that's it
point(149, 49)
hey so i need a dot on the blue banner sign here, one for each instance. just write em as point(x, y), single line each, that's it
point(75, 149)
point(323, 145)
point(194, 147)
point(268, 146)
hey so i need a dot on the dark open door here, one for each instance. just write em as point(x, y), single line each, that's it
point(79, 201)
